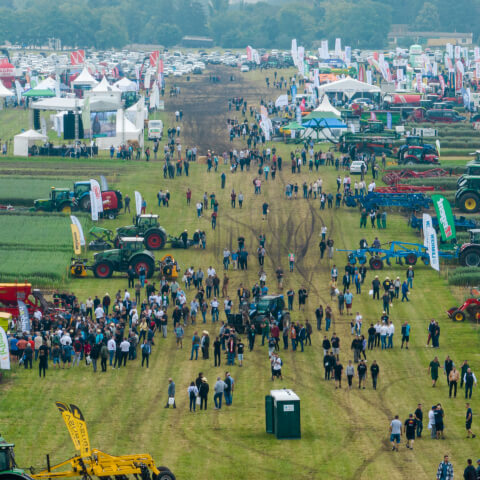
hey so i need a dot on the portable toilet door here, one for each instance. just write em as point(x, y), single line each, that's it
point(286, 405)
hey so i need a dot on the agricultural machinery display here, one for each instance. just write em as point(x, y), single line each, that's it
point(12, 293)
point(394, 176)
point(468, 254)
point(461, 223)
point(467, 196)
point(87, 463)
point(111, 199)
point(60, 200)
point(374, 200)
point(147, 227)
point(102, 239)
point(415, 141)
point(417, 155)
point(470, 308)
point(168, 267)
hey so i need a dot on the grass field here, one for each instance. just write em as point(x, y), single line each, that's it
point(344, 433)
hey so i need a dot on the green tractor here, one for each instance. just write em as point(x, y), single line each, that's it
point(146, 226)
point(8, 467)
point(60, 200)
point(467, 197)
point(130, 252)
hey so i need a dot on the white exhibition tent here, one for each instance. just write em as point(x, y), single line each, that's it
point(105, 87)
point(23, 141)
point(126, 85)
point(84, 80)
point(326, 106)
point(349, 87)
point(125, 130)
point(97, 104)
point(4, 91)
point(47, 84)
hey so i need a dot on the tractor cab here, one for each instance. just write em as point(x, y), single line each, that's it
point(60, 199)
point(81, 188)
point(374, 127)
point(128, 245)
point(474, 235)
point(473, 167)
point(7, 456)
point(146, 221)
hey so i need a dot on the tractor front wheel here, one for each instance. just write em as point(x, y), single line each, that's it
point(458, 316)
point(470, 203)
point(155, 240)
point(143, 261)
point(103, 269)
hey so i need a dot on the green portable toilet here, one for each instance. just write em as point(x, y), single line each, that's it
point(269, 414)
point(286, 413)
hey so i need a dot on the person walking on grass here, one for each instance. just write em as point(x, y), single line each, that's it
point(291, 261)
point(171, 394)
point(410, 426)
point(469, 380)
point(431, 423)
point(362, 374)
point(468, 421)
point(192, 395)
point(419, 418)
point(445, 470)
point(218, 388)
point(276, 363)
point(374, 372)
point(395, 432)
point(350, 371)
point(453, 378)
point(338, 370)
point(439, 421)
point(470, 473)
point(433, 370)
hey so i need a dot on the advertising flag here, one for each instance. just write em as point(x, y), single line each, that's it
point(77, 248)
point(324, 54)
point(432, 248)
point(24, 317)
point(4, 355)
point(93, 206)
point(249, 53)
point(389, 120)
point(369, 77)
point(348, 56)
point(281, 101)
point(86, 115)
point(294, 51)
point(338, 47)
point(294, 92)
point(95, 188)
point(427, 223)
point(103, 180)
point(154, 58)
point(76, 222)
point(445, 217)
point(138, 203)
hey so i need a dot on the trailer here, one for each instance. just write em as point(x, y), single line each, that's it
point(461, 223)
point(375, 200)
point(394, 176)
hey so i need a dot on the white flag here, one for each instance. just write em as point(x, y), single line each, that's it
point(281, 101)
point(24, 317)
point(4, 354)
point(338, 47)
point(138, 202)
point(432, 249)
point(427, 223)
point(95, 188)
point(93, 206)
point(76, 222)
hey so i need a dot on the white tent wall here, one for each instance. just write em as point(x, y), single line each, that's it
point(125, 130)
point(23, 141)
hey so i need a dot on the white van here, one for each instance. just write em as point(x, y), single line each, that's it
point(155, 129)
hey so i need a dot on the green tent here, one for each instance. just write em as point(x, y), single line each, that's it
point(293, 126)
point(319, 114)
point(38, 93)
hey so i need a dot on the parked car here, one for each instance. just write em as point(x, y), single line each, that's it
point(244, 68)
point(356, 167)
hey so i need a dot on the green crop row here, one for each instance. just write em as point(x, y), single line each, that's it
point(447, 183)
point(470, 278)
point(24, 190)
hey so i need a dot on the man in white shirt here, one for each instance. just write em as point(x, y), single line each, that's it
point(66, 339)
point(390, 332)
point(126, 296)
point(383, 336)
point(395, 432)
point(99, 313)
point(358, 324)
point(371, 187)
point(112, 347)
point(124, 348)
point(214, 304)
point(211, 271)
point(378, 328)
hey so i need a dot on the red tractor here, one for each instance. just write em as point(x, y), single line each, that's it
point(418, 155)
point(470, 307)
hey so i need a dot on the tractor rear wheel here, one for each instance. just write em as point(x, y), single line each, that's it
point(111, 214)
point(470, 203)
point(155, 240)
point(144, 261)
point(103, 269)
point(376, 263)
point(470, 257)
point(458, 316)
point(85, 204)
point(65, 208)
point(411, 259)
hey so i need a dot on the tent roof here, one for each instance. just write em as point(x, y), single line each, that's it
point(320, 114)
point(326, 106)
point(47, 83)
point(349, 86)
point(125, 126)
point(324, 122)
point(126, 85)
point(85, 79)
point(57, 104)
point(5, 92)
point(34, 92)
point(293, 126)
point(31, 135)
point(104, 87)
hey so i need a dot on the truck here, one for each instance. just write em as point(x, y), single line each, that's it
point(155, 129)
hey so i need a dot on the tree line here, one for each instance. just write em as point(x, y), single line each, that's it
point(115, 23)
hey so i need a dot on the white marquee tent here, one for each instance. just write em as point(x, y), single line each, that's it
point(23, 141)
point(349, 87)
point(84, 80)
point(126, 85)
point(5, 92)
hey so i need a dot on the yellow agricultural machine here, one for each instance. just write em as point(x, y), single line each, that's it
point(87, 462)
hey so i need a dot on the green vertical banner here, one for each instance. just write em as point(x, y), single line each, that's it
point(446, 222)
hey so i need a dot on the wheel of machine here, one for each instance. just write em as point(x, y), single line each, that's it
point(165, 474)
point(470, 257)
point(143, 261)
point(65, 208)
point(362, 260)
point(111, 214)
point(411, 259)
point(167, 270)
point(458, 316)
point(85, 203)
point(426, 261)
point(376, 263)
point(410, 163)
point(78, 270)
point(352, 259)
point(470, 203)
point(103, 269)
point(155, 240)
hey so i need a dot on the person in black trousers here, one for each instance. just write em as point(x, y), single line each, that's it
point(131, 277)
point(43, 359)
point(203, 393)
point(216, 351)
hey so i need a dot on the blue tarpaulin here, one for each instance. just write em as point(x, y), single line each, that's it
point(324, 123)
